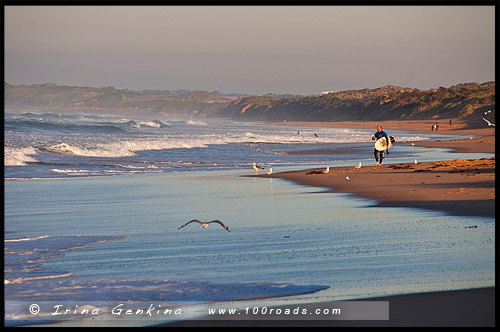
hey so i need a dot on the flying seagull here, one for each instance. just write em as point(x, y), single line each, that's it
point(256, 168)
point(490, 124)
point(206, 224)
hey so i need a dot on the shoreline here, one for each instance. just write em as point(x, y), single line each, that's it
point(444, 308)
point(481, 140)
point(457, 187)
point(458, 127)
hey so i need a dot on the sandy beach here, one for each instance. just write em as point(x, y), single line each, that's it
point(456, 187)
point(483, 137)
point(280, 232)
point(459, 187)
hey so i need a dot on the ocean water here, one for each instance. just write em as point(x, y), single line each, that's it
point(97, 215)
point(50, 145)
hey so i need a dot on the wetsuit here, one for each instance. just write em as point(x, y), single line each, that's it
point(379, 155)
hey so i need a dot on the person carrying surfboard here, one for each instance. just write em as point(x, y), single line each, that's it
point(379, 154)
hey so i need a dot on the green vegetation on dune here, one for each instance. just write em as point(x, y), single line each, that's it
point(385, 103)
point(110, 100)
point(465, 101)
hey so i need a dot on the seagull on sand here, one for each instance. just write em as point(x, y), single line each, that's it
point(270, 171)
point(347, 179)
point(256, 168)
point(205, 224)
point(326, 170)
point(415, 162)
point(359, 165)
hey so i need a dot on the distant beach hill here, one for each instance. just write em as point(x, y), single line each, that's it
point(52, 97)
point(385, 103)
point(465, 101)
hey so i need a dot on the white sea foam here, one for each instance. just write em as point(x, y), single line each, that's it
point(55, 276)
point(128, 137)
point(195, 123)
point(62, 148)
point(27, 238)
point(149, 124)
point(133, 124)
point(19, 156)
point(85, 172)
point(125, 148)
point(135, 167)
point(154, 124)
point(70, 171)
point(128, 148)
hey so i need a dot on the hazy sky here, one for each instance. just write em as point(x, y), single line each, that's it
point(255, 50)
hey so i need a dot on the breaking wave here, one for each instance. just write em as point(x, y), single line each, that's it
point(124, 148)
point(44, 125)
point(19, 156)
point(195, 123)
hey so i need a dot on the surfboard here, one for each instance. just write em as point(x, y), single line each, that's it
point(381, 143)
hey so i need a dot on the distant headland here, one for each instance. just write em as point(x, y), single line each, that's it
point(465, 101)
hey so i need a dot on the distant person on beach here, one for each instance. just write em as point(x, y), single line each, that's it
point(432, 127)
point(379, 155)
point(437, 126)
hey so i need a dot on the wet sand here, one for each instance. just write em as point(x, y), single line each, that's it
point(481, 144)
point(460, 308)
point(458, 127)
point(483, 137)
point(457, 187)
